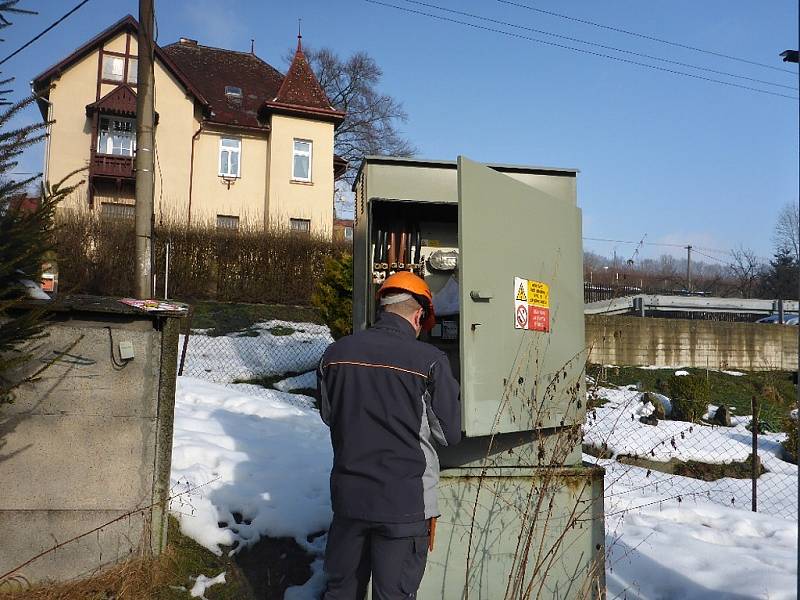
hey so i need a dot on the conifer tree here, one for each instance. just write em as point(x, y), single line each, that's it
point(25, 232)
point(333, 297)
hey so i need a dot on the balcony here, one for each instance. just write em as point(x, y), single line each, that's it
point(111, 165)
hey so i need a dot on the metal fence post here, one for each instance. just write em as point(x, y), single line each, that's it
point(755, 463)
point(186, 339)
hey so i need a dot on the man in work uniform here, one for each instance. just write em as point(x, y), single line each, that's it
point(386, 397)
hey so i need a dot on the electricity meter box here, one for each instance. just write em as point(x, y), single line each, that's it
point(500, 247)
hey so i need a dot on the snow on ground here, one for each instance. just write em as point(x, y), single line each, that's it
point(658, 547)
point(301, 382)
point(615, 426)
point(202, 583)
point(265, 455)
point(257, 353)
point(259, 456)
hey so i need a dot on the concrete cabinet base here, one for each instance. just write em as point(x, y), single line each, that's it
point(548, 543)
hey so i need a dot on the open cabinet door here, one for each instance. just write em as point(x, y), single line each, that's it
point(521, 285)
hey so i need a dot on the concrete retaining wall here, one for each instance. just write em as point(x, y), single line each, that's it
point(87, 442)
point(635, 341)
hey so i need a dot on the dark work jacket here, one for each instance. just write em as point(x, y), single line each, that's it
point(386, 397)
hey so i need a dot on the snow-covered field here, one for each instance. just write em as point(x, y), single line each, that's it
point(265, 455)
point(615, 426)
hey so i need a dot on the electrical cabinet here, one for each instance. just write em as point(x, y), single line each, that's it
point(511, 228)
point(500, 247)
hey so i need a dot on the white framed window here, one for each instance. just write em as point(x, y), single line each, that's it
point(348, 233)
point(113, 67)
point(301, 160)
point(230, 155)
point(300, 225)
point(116, 135)
point(228, 222)
point(133, 70)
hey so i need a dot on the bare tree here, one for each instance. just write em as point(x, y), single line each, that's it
point(371, 124)
point(746, 271)
point(787, 230)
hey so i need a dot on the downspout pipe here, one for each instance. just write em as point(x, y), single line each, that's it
point(191, 171)
point(48, 127)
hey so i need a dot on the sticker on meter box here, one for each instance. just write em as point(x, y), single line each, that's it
point(538, 319)
point(531, 305)
point(520, 315)
point(538, 294)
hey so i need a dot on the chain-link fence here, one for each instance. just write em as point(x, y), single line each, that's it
point(713, 454)
point(642, 438)
point(272, 355)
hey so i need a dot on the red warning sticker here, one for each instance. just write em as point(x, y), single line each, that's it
point(538, 318)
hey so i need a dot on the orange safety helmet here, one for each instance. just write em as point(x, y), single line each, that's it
point(409, 283)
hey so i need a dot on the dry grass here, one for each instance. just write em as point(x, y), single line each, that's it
point(138, 579)
point(167, 577)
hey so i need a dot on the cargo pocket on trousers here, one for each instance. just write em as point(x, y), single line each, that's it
point(414, 566)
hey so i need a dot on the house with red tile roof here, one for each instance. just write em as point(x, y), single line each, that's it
point(237, 142)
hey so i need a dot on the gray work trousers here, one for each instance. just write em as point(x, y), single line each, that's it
point(392, 554)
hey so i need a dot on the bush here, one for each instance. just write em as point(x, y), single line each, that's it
point(690, 396)
point(333, 297)
point(790, 444)
point(96, 256)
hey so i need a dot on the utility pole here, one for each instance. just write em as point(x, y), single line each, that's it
point(689, 268)
point(145, 181)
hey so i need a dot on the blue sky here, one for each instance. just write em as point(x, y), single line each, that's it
point(678, 159)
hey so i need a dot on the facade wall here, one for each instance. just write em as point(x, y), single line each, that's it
point(263, 194)
point(70, 135)
point(637, 341)
point(246, 197)
point(294, 200)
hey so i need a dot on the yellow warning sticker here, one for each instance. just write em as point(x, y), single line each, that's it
point(522, 293)
point(538, 294)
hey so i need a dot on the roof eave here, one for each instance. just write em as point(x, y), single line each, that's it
point(48, 74)
point(323, 114)
point(223, 125)
point(127, 23)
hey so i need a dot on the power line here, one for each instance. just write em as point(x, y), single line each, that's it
point(582, 50)
point(603, 46)
point(642, 242)
point(719, 260)
point(36, 37)
point(644, 36)
point(695, 249)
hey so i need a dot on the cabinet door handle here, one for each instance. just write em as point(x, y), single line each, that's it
point(480, 296)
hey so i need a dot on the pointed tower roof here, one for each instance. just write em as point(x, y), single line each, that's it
point(301, 94)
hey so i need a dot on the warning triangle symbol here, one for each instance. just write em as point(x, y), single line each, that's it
point(521, 293)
